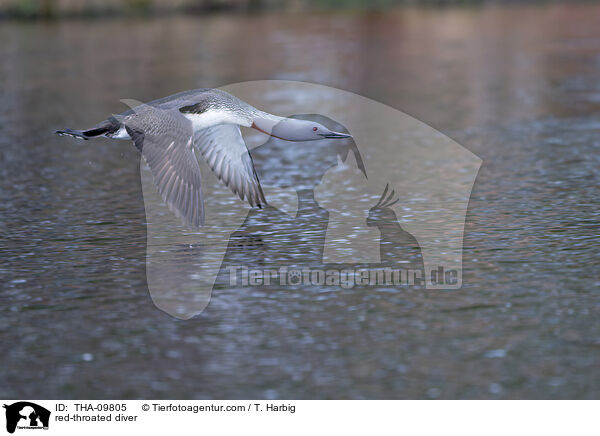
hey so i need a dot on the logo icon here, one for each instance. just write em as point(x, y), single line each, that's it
point(26, 415)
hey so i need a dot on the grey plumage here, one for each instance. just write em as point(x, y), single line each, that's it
point(166, 138)
point(233, 165)
point(165, 131)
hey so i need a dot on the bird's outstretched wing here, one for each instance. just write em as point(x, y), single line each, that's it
point(225, 151)
point(165, 139)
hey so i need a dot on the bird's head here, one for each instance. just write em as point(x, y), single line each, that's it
point(314, 131)
point(291, 129)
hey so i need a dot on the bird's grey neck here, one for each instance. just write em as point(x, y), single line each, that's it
point(265, 122)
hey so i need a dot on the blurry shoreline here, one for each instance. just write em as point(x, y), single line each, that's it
point(61, 9)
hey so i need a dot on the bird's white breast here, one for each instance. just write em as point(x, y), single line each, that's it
point(120, 134)
point(214, 118)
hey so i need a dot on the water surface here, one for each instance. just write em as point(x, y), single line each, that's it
point(518, 86)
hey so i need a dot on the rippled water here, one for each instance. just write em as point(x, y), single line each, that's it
point(518, 86)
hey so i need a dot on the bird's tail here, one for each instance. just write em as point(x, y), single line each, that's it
point(83, 134)
point(108, 126)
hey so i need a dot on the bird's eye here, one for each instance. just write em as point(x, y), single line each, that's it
point(315, 129)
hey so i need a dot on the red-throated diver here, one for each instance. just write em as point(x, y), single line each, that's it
point(166, 130)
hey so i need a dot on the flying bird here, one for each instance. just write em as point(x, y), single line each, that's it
point(167, 130)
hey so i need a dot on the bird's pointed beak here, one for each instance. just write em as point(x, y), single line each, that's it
point(335, 135)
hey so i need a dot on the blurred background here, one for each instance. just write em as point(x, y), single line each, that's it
point(95, 8)
point(515, 83)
